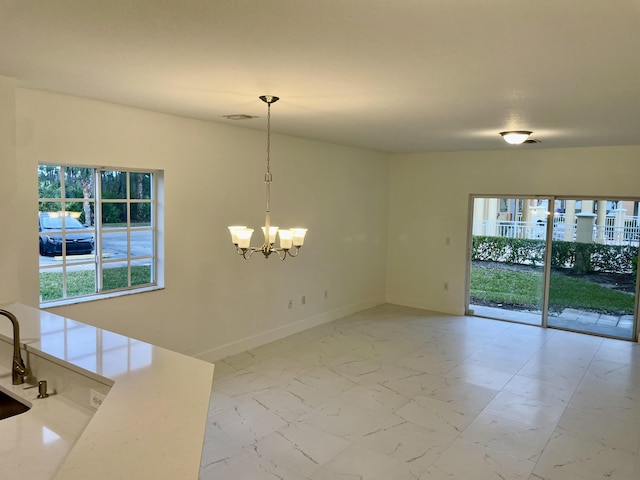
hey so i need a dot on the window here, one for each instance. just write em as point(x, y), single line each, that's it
point(97, 232)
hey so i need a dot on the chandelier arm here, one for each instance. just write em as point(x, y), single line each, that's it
point(267, 250)
point(246, 252)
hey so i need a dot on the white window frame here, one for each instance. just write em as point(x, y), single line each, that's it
point(98, 258)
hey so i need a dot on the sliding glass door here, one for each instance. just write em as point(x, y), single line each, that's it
point(507, 258)
point(566, 263)
point(592, 286)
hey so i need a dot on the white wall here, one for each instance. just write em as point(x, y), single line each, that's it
point(9, 234)
point(355, 202)
point(429, 201)
point(213, 298)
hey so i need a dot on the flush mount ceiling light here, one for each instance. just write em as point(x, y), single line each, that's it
point(291, 240)
point(516, 137)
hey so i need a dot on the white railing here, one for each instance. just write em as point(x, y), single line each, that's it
point(609, 233)
point(508, 228)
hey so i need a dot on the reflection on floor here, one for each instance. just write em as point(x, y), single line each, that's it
point(398, 393)
point(619, 326)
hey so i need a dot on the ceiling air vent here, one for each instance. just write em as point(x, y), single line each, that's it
point(239, 116)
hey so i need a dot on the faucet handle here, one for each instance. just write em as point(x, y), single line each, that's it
point(19, 371)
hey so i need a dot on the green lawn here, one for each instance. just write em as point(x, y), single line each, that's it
point(523, 289)
point(83, 282)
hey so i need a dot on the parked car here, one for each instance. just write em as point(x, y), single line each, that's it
point(78, 243)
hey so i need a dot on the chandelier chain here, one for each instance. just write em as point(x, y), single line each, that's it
point(268, 138)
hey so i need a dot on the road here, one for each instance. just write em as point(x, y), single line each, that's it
point(114, 247)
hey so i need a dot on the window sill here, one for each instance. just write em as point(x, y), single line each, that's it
point(102, 296)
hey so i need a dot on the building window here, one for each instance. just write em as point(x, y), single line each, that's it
point(98, 232)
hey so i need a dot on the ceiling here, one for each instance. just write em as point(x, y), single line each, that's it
point(388, 75)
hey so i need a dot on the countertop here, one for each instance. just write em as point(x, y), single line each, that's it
point(150, 425)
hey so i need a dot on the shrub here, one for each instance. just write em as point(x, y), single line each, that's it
point(584, 257)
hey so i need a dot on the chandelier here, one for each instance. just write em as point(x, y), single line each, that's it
point(291, 240)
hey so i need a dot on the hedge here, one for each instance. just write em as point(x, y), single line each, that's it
point(584, 257)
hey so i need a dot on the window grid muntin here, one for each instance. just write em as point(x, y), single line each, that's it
point(97, 230)
point(128, 201)
point(65, 260)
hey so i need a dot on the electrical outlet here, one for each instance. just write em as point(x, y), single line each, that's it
point(290, 303)
point(446, 286)
point(95, 398)
point(303, 300)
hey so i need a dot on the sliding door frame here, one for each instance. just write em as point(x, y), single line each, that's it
point(551, 200)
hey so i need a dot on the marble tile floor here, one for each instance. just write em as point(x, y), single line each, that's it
point(394, 393)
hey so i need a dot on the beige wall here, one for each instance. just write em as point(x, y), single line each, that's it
point(214, 177)
point(429, 202)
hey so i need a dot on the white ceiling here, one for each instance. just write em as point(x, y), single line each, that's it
point(389, 75)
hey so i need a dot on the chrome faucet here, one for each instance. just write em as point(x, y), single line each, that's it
point(18, 369)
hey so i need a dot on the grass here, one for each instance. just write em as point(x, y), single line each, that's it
point(83, 282)
point(523, 289)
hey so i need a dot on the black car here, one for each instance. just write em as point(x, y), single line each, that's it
point(51, 243)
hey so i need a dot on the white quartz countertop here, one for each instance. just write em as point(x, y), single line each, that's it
point(34, 446)
point(151, 424)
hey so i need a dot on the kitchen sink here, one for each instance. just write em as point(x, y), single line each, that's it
point(9, 406)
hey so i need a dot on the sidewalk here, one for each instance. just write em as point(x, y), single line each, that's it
point(570, 319)
point(622, 321)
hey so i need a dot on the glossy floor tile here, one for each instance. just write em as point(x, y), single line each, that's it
point(400, 393)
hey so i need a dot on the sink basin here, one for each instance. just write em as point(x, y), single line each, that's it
point(9, 406)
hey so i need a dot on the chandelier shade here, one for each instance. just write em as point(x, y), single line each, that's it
point(291, 240)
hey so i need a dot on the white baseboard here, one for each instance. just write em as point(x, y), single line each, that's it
point(423, 305)
point(254, 341)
